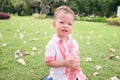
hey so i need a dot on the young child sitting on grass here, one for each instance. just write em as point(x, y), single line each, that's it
point(62, 51)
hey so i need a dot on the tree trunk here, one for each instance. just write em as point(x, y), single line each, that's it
point(45, 9)
point(3, 4)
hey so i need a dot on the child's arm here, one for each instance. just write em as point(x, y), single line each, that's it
point(65, 63)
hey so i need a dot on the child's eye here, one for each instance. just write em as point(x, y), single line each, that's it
point(69, 24)
point(61, 22)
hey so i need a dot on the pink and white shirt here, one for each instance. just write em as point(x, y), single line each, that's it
point(53, 53)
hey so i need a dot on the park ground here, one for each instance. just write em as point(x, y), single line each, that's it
point(97, 42)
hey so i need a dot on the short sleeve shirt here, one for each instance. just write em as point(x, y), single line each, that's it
point(53, 53)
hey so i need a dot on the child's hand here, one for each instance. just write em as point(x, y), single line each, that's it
point(76, 64)
point(72, 63)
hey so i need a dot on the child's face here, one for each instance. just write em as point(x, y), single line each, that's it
point(63, 24)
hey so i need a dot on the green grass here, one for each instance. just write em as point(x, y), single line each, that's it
point(100, 36)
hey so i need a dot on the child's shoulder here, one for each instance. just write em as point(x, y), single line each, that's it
point(51, 42)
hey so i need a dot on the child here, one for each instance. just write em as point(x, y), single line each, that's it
point(62, 53)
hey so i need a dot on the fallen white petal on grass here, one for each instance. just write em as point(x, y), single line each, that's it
point(98, 67)
point(32, 53)
point(45, 32)
point(21, 36)
point(16, 56)
point(88, 59)
point(99, 36)
point(117, 57)
point(88, 37)
point(34, 39)
point(87, 43)
point(103, 30)
point(15, 35)
point(27, 53)
point(37, 32)
point(18, 30)
point(0, 35)
point(34, 48)
point(25, 42)
point(4, 45)
point(112, 50)
point(114, 78)
point(21, 61)
point(110, 56)
point(115, 34)
point(19, 53)
point(95, 74)
point(91, 32)
point(109, 44)
point(81, 37)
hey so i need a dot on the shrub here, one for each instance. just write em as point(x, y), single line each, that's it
point(93, 19)
point(39, 16)
point(4, 16)
point(113, 21)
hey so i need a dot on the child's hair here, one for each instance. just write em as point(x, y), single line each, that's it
point(63, 9)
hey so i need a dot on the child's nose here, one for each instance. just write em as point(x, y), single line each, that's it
point(66, 25)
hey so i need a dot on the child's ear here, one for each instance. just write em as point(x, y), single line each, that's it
point(53, 23)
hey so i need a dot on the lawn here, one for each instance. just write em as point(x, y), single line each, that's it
point(31, 36)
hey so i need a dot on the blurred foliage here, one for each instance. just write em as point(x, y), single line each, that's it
point(91, 18)
point(81, 7)
point(114, 21)
point(39, 16)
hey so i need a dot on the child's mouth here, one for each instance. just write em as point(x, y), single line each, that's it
point(64, 30)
